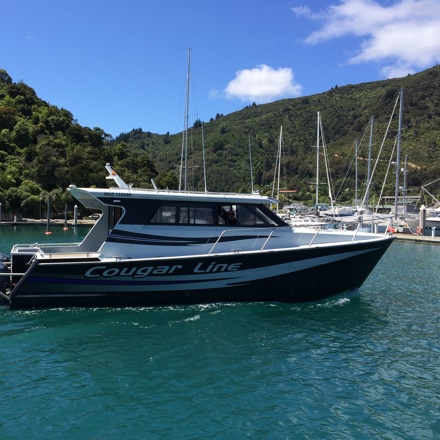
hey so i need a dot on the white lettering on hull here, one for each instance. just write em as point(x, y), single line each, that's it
point(214, 267)
point(142, 272)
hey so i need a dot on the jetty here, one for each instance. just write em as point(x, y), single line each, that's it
point(414, 238)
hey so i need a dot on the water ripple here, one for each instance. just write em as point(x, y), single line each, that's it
point(357, 366)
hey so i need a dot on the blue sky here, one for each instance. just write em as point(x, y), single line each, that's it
point(122, 65)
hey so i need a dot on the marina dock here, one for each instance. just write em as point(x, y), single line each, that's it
point(417, 238)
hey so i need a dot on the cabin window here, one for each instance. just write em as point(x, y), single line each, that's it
point(248, 215)
point(165, 214)
point(184, 214)
point(266, 217)
point(196, 215)
point(245, 215)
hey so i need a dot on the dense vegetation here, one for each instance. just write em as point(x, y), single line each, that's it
point(43, 149)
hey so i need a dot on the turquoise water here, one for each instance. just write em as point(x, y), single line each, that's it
point(361, 366)
point(10, 235)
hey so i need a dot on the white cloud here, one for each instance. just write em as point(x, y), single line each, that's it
point(402, 37)
point(263, 84)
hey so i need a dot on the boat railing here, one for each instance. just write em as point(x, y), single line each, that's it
point(307, 239)
point(322, 229)
point(36, 246)
point(266, 235)
point(314, 236)
point(356, 231)
point(352, 237)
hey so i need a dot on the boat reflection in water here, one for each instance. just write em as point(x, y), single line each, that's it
point(153, 246)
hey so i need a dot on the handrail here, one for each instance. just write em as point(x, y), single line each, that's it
point(243, 229)
point(316, 234)
point(268, 238)
point(356, 231)
point(11, 274)
point(39, 245)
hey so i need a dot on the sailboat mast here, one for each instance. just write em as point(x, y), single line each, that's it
point(404, 185)
point(204, 161)
point(399, 134)
point(279, 163)
point(186, 119)
point(356, 173)
point(317, 158)
point(250, 162)
point(370, 146)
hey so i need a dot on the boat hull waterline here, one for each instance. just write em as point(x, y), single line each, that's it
point(292, 275)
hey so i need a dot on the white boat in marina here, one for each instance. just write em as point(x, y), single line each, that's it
point(432, 221)
point(153, 246)
point(428, 220)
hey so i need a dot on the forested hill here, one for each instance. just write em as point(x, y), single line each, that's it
point(43, 149)
point(346, 112)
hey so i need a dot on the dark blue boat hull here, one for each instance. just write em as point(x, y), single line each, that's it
point(294, 275)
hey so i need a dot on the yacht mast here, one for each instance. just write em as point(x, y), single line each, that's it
point(186, 120)
point(277, 170)
point(184, 152)
point(250, 162)
point(356, 154)
point(399, 133)
point(370, 146)
point(203, 153)
point(317, 158)
point(404, 185)
point(279, 163)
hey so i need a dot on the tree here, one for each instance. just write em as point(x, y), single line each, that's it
point(166, 180)
point(7, 144)
point(5, 79)
point(12, 200)
point(7, 180)
point(30, 206)
point(27, 186)
point(8, 117)
point(44, 167)
point(22, 133)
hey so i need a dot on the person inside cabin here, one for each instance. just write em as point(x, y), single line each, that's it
point(230, 220)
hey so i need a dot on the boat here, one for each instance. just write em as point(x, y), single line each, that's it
point(427, 219)
point(431, 223)
point(158, 247)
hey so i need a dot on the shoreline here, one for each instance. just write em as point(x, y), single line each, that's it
point(43, 222)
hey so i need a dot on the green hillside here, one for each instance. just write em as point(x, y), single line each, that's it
point(43, 149)
point(345, 111)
